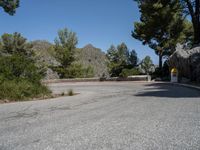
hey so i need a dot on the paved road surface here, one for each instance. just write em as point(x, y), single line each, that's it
point(105, 116)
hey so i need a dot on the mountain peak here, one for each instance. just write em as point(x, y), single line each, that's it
point(89, 46)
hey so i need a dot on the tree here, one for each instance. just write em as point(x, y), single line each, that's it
point(162, 25)
point(65, 45)
point(146, 65)
point(17, 58)
point(19, 75)
point(192, 7)
point(15, 44)
point(114, 65)
point(112, 54)
point(120, 58)
point(123, 54)
point(133, 59)
point(9, 6)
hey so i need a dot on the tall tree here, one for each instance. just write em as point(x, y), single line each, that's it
point(146, 65)
point(120, 58)
point(192, 7)
point(9, 6)
point(15, 44)
point(17, 59)
point(65, 45)
point(133, 59)
point(161, 26)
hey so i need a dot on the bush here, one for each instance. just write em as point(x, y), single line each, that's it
point(21, 90)
point(129, 72)
point(70, 92)
point(16, 67)
point(74, 71)
point(19, 75)
point(20, 78)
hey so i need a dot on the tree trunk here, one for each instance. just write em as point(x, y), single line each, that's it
point(196, 22)
point(195, 15)
point(160, 61)
point(196, 33)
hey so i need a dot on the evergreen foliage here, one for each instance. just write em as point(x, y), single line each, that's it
point(9, 6)
point(65, 48)
point(146, 65)
point(19, 76)
point(129, 72)
point(162, 25)
point(120, 58)
point(192, 8)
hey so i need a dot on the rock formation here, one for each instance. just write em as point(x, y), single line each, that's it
point(187, 61)
point(44, 57)
point(94, 57)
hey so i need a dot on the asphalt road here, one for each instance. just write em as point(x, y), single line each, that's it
point(105, 116)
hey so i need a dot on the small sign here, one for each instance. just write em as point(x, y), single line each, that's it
point(174, 75)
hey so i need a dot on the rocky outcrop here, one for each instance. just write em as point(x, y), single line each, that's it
point(86, 56)
point(187, 61)
point(94, 57)
point(44, 58)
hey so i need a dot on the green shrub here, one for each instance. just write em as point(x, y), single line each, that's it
point(21, 90)
point(129, 72)
point(63, 94)
point(20, 78)
point(74, 71)
point(70, 92)
point(19, 75)
point(16, 67)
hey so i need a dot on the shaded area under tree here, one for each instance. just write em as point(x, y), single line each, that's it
point(168, 90)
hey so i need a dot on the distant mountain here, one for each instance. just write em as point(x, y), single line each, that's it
point(94, 57)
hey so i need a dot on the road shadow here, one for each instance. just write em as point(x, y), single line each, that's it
point(168, 90)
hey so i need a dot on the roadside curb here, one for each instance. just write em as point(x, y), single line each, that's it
point(130, 78)
point(188, 86)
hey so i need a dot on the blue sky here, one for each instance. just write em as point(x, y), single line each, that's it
point(98, 22)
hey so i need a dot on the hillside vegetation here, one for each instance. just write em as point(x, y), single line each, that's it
point(89, 57)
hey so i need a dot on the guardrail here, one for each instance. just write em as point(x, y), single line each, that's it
point(130, 78)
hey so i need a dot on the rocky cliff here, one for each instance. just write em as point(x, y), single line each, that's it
point(44, 57)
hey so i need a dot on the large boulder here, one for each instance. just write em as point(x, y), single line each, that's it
point(187, 61)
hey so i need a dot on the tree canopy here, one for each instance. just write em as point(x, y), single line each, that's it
point(162, 25)
point(146, 65)
point(192, 8)
point(9, 6)
point(15, 44)
point(65, 45)
point(121, 58)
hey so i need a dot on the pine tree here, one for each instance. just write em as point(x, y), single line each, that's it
point(65, 45)
point(192, 7)
point(120, 58)
point(162, 25)
point(9, 6)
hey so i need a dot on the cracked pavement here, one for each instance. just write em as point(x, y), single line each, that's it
point(105, 116)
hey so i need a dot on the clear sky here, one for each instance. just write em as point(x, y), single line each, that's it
point(98, 22)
